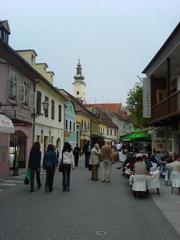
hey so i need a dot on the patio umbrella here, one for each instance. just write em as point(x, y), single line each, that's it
point(136, 137)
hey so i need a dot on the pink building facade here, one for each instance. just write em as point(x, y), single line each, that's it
point(17, 81)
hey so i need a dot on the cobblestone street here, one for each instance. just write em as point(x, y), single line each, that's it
point(90, 211)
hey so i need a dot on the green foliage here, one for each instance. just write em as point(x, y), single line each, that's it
point(135, 106)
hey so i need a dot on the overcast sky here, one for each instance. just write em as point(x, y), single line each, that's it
point(114, 39)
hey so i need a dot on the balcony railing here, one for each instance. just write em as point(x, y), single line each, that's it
point(169, 107)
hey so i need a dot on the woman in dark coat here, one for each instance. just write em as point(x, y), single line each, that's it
point(49, 163)
point(34, 165)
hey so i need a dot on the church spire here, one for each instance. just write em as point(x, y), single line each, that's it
point(79, 77)
point(79, 86)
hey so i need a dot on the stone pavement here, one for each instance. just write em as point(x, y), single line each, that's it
point(169, 203)
point(90, 211)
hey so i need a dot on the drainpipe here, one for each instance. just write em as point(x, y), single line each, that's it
point(168, 79)
point(34, 109)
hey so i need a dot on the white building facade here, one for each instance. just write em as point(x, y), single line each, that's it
point(49, 123)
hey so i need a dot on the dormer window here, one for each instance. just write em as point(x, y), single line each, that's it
point(32, 59)
point(4, 36)
point(4, 31)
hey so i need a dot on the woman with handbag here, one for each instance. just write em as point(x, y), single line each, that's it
point(67, 162)
point(34, 165)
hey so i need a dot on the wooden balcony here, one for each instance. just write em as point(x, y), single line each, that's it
point(169, 107)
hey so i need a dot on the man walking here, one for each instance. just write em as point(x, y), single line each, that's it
point(106, 157)
point(87, 152)
point(76, 153)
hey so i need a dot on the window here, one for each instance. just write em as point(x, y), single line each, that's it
point(13, 85)
point(38, 102)
point(26, 91)
point(32, 59)
point(82, 126)
point(107, 131)
point(111, 132)
point(74, 126)
point(37, 138)
point(4, 36)
point(59, 113)
point(46, 111)
point(70, 125)
point(52, 109)
point(77, 92)
point(66, 124)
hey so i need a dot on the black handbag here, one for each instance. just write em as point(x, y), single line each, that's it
point(61, 164)
point(26, 181)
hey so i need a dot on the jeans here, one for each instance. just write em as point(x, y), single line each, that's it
point(87, 156)
point(66, 176)
point(76, 160)
point(49, 177)
point(34, 171)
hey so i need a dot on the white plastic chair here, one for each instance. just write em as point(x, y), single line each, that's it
point(153, 181)
point(175, 177)
point(139, 183)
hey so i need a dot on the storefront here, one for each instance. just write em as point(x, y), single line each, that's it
point(6, 128)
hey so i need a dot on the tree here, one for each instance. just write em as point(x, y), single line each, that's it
point(135, 106)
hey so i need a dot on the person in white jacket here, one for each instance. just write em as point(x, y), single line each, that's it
point(95, 161)
point(68, 163)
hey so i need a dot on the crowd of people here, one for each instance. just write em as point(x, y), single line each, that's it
point(97, 158)
point(69, 159)
point(162, 165)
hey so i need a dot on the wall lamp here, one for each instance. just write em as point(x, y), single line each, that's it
point(45, 108)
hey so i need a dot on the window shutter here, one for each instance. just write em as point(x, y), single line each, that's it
point(32, 100)
point(21, 93)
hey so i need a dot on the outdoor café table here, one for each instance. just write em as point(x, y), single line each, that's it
point(153, 180)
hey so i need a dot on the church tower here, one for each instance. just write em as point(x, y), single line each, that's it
point(79, 86)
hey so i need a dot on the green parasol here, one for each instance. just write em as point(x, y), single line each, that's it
point(136, 137)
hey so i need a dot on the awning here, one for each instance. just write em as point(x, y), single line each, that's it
point(6, 125)
point(136, 136)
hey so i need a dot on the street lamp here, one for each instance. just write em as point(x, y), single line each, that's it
point(35, 115)
point(45, 108)
point(45, 105)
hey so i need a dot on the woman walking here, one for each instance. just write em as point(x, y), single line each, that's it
point(49, 163)
point(95, 161)
point(34, 165)
point(68, 162)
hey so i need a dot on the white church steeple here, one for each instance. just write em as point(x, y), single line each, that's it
point(79, 86)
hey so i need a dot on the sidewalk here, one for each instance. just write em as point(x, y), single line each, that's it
point(169, 204)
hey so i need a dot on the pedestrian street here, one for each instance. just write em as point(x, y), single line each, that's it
point(92, 210)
